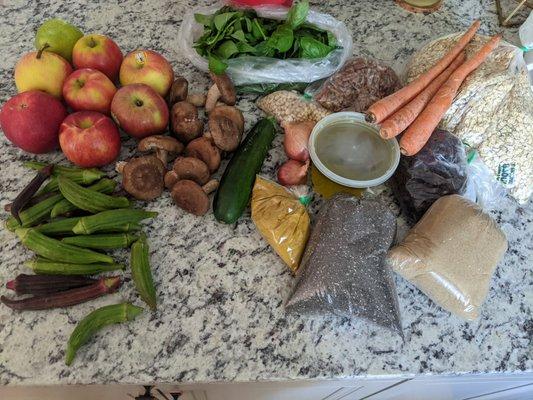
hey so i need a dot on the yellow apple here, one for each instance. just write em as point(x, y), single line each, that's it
point(43, 71)
point(148, 67)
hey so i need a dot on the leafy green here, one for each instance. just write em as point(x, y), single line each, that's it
point(231, 33)
point(298, 14)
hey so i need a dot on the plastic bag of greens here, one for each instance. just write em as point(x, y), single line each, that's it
point(343, 270)
point(255, 64)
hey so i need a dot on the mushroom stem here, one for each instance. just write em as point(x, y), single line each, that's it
point(213, 95)
point(119, 167)
point(162, 155)
point(197, 99)
point(210, 186)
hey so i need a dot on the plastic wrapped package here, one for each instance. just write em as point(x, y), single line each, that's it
point(343, 270)
point(288, 107)
point(439, 169)
point(451, 254)
point(250, 70)
point(482, 186)
point(492, 111)
point(357, 85)
point(282, 219)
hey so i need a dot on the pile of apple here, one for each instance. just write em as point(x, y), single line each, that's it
point(70, 71)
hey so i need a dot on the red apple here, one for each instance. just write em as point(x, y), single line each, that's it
point(139, 110)
point(31, 121)
point(89, 139)
point(98, 52)
point(148, 67)
point(89, 90)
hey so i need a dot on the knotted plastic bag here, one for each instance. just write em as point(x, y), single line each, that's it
point(282, 219)
point(343, 270)
point(451, 254)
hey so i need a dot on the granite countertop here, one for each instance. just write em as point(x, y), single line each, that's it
point(221, 288)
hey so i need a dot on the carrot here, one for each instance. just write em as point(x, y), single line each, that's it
point(401, 119)
point(416, 136)
point(381, 109)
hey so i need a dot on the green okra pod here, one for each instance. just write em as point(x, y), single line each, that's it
point(106, 221)
point(102, 241)
point(46, 267)
point(105, 185)
point(142, 273)
point(58, 227)
point(53, 249)
point(84, 175)
point(96, 320)
point(35, 214)
point(89, 200)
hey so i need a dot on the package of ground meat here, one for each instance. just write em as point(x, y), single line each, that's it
point(492, 111)
point(358, 84)
point(439, 169)
point(451, 254)
point(342, 270)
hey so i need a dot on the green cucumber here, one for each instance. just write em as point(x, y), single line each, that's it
point(236, 185)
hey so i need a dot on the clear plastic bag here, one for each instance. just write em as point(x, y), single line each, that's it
point(251, 70)
point(451, 254)
point(343, 270)
point(439, 169)
point(356, 86)
point(282, 219)
point(482, 186)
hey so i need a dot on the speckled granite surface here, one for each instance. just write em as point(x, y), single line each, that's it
point(221, 288)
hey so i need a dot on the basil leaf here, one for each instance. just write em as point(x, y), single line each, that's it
point(205, 20)
point(227, 49)
point(298, 14)
point(282, 38)
point(245, 48)
point(312, 48)
point(216, 65)
point(221, 20)
point(239, 35)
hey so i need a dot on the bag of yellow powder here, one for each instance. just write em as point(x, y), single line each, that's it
point(282, 220)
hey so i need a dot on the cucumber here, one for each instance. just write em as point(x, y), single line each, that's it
point(236, 185)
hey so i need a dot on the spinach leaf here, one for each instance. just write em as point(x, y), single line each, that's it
point(245, 48)
point(226, 49)
point(282, 38)
point(258, 30)
point(216, 65)
point(332, 40)
point(298, 14)
point(264, 49)
point(221, 20)
point(205, 20)
point(312, 48)
point(239, 35)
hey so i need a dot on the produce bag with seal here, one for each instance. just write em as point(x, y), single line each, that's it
point(492, 111)
point(282, 219)
point(356, 86)
point(343, 269)
point(451, 254)
point(252, 66)
point(439, 169)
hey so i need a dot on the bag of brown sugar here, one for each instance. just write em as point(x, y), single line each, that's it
point(282, 219)
point(451, 254)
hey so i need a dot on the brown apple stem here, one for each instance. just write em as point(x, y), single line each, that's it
point(40, 52)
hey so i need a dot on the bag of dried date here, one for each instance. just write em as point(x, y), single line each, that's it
point(358, 84)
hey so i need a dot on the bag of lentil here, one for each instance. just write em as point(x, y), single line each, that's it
point(451, 254)
point(343, 269)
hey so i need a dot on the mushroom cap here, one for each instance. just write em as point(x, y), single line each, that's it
point(190, 196)
point(204, 149)
point(230, 112)
point(160, 142)
point(224, 133)
point(142, 177)
point(184, 121)
point(170, 179)
point(178, 90)
point(226, 88)
point(191, 168)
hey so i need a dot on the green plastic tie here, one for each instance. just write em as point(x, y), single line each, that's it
point(306, 200)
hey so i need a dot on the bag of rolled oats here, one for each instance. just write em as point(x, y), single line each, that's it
point(492, 111)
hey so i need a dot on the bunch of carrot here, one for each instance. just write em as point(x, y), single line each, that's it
point(417, 108)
